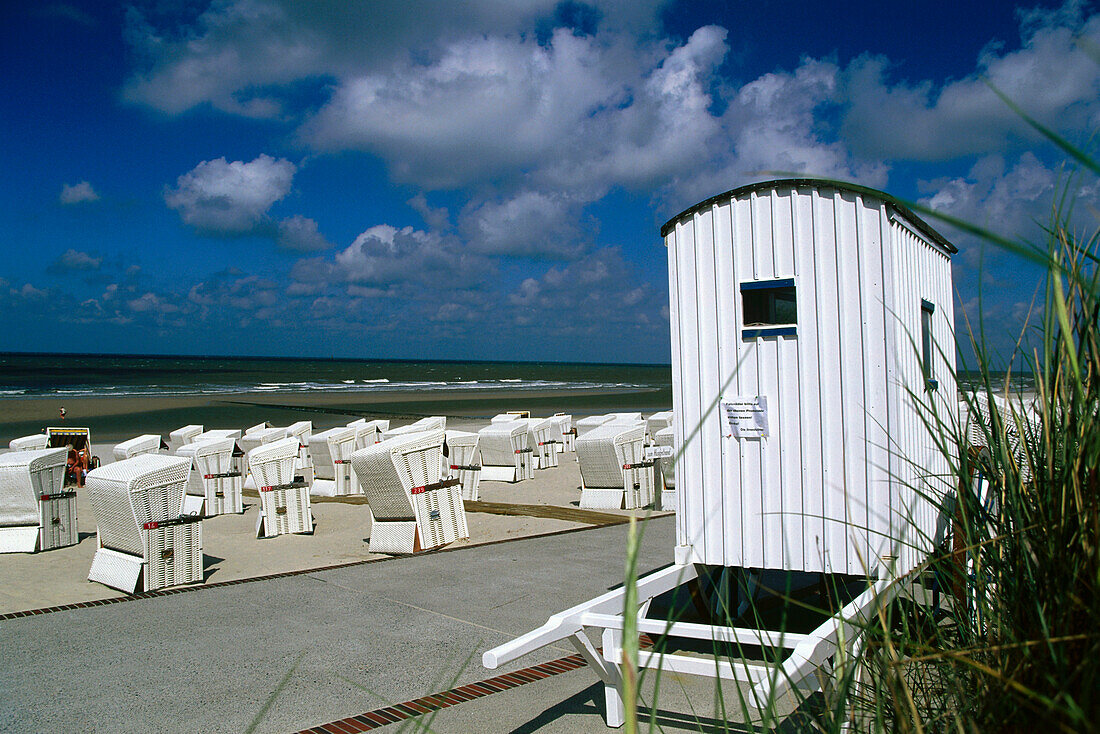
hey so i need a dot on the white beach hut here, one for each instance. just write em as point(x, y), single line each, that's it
point(812, 336)
point(36, 511)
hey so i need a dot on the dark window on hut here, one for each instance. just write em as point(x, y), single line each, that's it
point(768, 304)
point(927, 308)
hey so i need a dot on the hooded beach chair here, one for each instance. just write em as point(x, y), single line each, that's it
point(259, 437)
point(332, 471)
point(183, 436)
point(284, 499)
point(367, 434)
point(28, 443)
point(542, 437)
point(667, 485)
point(148, 443)
point(431, 423)
point(257, 427)
point(657, 422)
point(213, 467)
point(504, 418)
point(586, 424)
point(303, 431)
point(614, 471)
point(36, 511)
point(414, 508)
point(145, 540)
point(505, 453)
point(465, 461)
point(564, 422)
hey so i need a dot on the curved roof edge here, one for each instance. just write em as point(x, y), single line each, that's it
point(819, 183)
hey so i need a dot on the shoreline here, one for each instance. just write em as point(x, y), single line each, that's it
point(116, 418)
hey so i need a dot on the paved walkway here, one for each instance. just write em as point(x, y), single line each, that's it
point(291, 653)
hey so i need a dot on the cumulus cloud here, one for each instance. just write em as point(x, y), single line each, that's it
point(219, 197)
point(300, 234)
point(77, 193)
point(383, 255)
point(75, 260)
point(528, 224)
point(1049, 76)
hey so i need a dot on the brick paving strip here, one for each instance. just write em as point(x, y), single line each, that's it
point(436, 701)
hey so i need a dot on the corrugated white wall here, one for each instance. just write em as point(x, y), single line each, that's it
point(816, 494)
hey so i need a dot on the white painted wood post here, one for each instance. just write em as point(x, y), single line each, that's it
point(612, 694)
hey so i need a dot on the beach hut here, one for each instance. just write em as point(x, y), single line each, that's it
point(465, 461)
point(28, 443)
point(284, 499)
point(614, 471)
point(144, 538)
point(36, 511)
point(148, 443)
point(182, 437)
point(414, 508)
point(332, 450)
point(812, 338)
point(218, 479)
point(505, 453)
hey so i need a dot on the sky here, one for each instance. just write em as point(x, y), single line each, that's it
point(487, 180)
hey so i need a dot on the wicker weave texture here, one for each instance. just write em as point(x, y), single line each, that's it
point(600, 452)
point(127, 494)
point(24, 477)
point(174, 557)
point(28, 443)
point(145, 444)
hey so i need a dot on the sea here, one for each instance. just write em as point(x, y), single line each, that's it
point(26, 375)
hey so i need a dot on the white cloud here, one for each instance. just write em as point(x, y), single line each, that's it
point(77, 193)
point(222, 198)
point(75, 260)
point(529, 224)
point(1049, 76)
point(300, 234)
point(384, 255)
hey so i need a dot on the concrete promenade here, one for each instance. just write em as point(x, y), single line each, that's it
point(289, 653)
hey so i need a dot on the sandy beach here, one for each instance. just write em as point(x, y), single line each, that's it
point(547, 504)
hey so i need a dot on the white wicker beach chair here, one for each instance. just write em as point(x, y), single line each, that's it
point(220, 481)
point(218, 433)
point(542, 437)
point(28, 443)
point(564, 422)
point(144, 539)
point(586, 424)
point(626, 418)
point(665, 437)
point(284, 501)
point(257, 427)
point(414, 508)
point(431, 423)
point(367, 434)
point(182, 437)
point(36, 511)
point(504, 418)
point(333, 473)
point(148, 443)
point(465, 461)
point(259, 437)
point(657, 422)
point(505, 453)
point(614, 472)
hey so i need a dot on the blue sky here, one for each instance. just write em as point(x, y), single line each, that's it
point(485, 180)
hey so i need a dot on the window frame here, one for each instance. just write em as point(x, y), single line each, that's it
point(754, 332)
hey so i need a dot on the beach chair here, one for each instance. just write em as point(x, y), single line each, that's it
point(182, 437)
point(667, 484)
point(614, 471)
point(284, 499)
point(505, 453)
point(145, 540)
point(367, 434)
point(414, 508)
point(257, 427)
point(28, 443)
point(36, 511)
point(564, 422)
point(218, 433)
point(431, 423)
point(657, 422)
point(504, 418)
point(332, 450)
point(465, 461)
point(148, 443)
point(626, 418)
point(213, 466)
point(586, 424)
point(542, 437)
point(259, 437)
